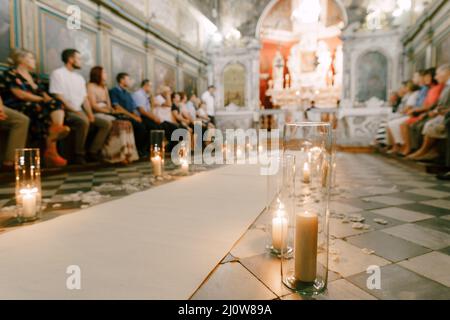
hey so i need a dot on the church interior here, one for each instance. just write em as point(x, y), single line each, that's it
point(128, 129)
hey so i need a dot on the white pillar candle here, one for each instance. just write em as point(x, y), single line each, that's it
point(29, 203)
point(184, 166)
point(157, 165)
point(306, 173)
point(306, 234)
point(238, 152)
point(279, 232)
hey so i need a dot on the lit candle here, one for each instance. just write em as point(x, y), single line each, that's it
point(306, 234)
point(29, 204)
point(157, 165)
point(279, 230)
point(306, 173)
point(238, 152)
point(185, 166)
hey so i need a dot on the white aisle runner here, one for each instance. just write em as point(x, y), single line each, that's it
point(157, 244)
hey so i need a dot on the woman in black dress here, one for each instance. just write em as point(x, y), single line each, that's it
point(25, 94)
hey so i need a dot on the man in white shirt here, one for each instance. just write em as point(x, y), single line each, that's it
point(208, 99)
point(70, 87)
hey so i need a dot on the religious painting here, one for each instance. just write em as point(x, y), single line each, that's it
point(5, 30)
point(57, 37)
point(165, 75)
point(372, 76)
point(308, 61)
point(125, 59)
point(190, 84)
point(443, 51)
point(234, 84)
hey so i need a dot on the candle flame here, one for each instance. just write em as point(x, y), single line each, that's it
point(28, 191)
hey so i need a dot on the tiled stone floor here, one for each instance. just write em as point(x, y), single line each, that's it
point(412, 250)
point(68, 192)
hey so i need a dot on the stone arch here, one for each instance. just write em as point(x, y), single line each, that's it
point(272, 3)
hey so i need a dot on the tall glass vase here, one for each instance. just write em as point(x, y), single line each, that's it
point(280, 201)
point(28, 184)
point(157, 152)
point(306, 269)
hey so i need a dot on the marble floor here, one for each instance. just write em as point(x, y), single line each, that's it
point(412, 248)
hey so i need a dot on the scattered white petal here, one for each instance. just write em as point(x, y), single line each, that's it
point(368, 251)
point(381, 221)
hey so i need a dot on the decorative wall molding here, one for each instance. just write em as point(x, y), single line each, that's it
point(247, 56)
point(358, 43)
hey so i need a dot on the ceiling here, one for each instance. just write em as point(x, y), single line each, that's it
point(244, 15)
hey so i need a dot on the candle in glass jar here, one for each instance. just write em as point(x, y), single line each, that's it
point(29, 203)
point(306, 173)
point(279, 230)
point(184, 166)
point(306, 234)
point(157, 165)
point(238, 152)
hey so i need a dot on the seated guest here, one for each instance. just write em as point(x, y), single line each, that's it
point(381, 139)
point(411, 130)
point(183, 110)
point(176, 111)
point(25, 94)
point(120, 146)
point(189, 109)
point(70, 88)
point(434, 128)
point(409, 93)
point(142, 98)
point(123, 103)
point(420, 80)
point(202, 114)
point(17, 124)
point(394, 101)
point(163, 110)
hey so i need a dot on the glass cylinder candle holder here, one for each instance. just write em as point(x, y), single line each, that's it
point(28, 184)
point(226, 151)
point(281, 207)
point(184, 158)
point(306, 270)
point(157, 152)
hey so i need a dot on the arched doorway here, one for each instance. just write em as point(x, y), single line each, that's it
point(306, 35)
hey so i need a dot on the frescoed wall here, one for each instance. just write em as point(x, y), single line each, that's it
point(5, 29)
point(154, 51)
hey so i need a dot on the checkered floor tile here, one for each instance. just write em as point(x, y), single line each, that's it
point(68, 192)
point(412, 249)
